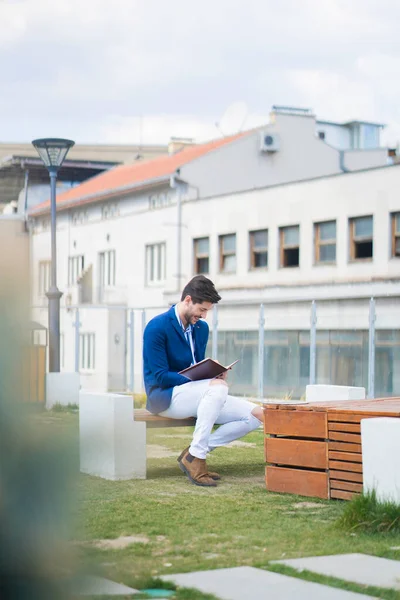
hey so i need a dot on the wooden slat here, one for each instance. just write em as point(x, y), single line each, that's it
point(143, 415)
point(349, 427)
point(300, 453)
point(378, 405)
point(346, 417)
point(33, 373)
point(345, 466)
point(336, 484)
point(345, 476)
point(340, 436)
point(367, 407)
point(286, 406)
point(356, 415)
point(345, 456)
point(297, 481)
point(344, 447)
point(294, 423)
point(341, 495)
point(170, 423)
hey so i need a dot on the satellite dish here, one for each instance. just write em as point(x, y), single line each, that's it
point(233, 119)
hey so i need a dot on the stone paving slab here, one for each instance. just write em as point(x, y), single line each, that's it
point(358, 568)
point(257, 584)
point(98, 586)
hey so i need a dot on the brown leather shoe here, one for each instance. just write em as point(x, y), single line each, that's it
point(213, 474)
point(182, 454)
point(196, 470)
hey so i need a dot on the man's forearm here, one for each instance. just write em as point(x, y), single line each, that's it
point(166, 379)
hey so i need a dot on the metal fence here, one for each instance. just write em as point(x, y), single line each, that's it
point(278, 356)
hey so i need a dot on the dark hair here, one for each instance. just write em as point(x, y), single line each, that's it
point(201, 289)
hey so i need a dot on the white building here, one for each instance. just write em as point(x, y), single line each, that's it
point(276, 216)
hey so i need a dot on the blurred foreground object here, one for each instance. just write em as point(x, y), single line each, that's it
point(35, 470)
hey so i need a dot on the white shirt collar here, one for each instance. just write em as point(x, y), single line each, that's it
point(187, 332)
point(188, 328)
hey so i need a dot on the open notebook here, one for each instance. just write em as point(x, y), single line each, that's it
point(206, 369)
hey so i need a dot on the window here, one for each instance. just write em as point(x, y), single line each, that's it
point(371, 136)
point(45, 224)
point(259, 249)
point(396, 234)
point(79, 217)
point(87, 351)
point(44, 276)
point(107, 268)
point(109, 211)
point(355, 137)
point(201, 255)
point(361, 238)
point(325, 242)
point(155, 263)
point(227, 253)
point(289, 246)
point(160, 200)
point(75, 268)
point(321, 135)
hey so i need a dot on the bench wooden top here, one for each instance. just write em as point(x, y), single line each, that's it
point(143, 415)
point(377, 407)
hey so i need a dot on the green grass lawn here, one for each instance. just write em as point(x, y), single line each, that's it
point(181, 527)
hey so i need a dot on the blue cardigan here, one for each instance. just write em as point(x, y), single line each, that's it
point(165, 353)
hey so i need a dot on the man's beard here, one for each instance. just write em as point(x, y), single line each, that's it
point(187, 317)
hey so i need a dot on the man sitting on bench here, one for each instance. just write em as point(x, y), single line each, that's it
point(172, 342)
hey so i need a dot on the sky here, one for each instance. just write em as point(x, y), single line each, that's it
point(141, 71)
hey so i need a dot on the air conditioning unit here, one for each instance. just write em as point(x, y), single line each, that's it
point(269, 142)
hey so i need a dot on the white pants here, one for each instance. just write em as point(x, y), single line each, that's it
point(211, 404)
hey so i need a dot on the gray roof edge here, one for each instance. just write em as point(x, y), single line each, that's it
point(15, 159)
point(347, 123)
point(98, 197)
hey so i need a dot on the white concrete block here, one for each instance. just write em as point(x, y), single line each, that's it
point(380, 443)
point(112, 445)
point(324, 393)
point(62, 388)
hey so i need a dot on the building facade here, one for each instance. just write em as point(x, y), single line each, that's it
point(269, 225)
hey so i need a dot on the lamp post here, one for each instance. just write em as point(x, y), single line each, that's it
point(53, 151)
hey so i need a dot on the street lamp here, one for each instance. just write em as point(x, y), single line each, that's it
point(53, 151)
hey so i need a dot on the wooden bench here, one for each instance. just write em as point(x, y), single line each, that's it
point(141, 415)
point(315, 449)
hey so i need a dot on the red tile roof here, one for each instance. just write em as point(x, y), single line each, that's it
point(124, 177)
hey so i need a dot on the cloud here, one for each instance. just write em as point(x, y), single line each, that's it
point(339, 93)
point(89, 70)
point(153, 129)
point(12, 26)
